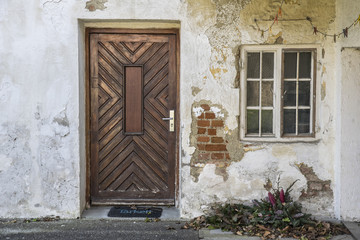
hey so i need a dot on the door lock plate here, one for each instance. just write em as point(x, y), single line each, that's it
point(172, 121)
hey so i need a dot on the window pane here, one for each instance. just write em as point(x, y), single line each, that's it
point(290, 65)
point(268, 65)
point(252, 121)
point(253, 93)
point(304, 121)
point(253, 65)
point(267, 94)
point(305, 65)
point(289, 93)
point(289, 121)
point(267, 121)
point(304, 93)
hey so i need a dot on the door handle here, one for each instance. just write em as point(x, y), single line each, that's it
point(171, 120)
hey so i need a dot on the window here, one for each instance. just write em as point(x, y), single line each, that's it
point(278, 93)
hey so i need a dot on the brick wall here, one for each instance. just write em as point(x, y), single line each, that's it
point(211, 147)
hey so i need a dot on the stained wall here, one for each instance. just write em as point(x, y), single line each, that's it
point(42, 137)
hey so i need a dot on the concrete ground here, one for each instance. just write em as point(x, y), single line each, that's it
point(95, 225)
point(95, 230)
point(102, 229)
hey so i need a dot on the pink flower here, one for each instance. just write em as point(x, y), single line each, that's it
point(272, 199)
point(282, 196)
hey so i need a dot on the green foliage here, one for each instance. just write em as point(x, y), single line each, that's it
point(276, 216)
point(279, 214)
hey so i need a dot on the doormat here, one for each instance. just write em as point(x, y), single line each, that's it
point(138, 212)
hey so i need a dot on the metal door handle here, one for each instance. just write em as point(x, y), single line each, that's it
point(171, 120)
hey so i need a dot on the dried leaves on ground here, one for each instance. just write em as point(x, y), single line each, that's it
point(240, 224)
point(276, 216)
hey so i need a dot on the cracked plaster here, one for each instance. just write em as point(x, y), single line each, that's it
point(40, 131)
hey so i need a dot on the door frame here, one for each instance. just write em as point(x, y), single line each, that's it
point(90, 30)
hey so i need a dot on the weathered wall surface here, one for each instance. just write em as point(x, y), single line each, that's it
point(348, 158)
point(41, 100)
point(226, 25)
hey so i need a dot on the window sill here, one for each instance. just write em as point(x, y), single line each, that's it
point(280, 140)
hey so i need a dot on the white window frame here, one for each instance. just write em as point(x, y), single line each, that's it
point(277, 88)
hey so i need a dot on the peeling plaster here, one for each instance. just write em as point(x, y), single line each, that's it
point(94, 5)
point(195, 90)
point(39, 136)
point(323, 90)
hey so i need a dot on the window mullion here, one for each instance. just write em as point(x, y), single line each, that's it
point(312, 96)
point(260, 87)
point(297, 94)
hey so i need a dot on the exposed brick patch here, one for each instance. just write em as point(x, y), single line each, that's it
point(201, 130)
point(217, 156)
point(203, 123)
point(203, 139)
point(210, 115)
point(204, 156)
point(315, 185)
point(215, 147)
point(202, 116)
point(217, 140)
point(201, 147)
point(211, 147)
point(211, 131)
point(217, 123)
point(205, 107)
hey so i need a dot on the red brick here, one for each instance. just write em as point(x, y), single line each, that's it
point(217, 156)
point(205, 107)
point(201, 116)
point(203, 123)
point(201, 147)
point(227, 156)
point(215, 147)
point(209, 115)
point(203, 139)
point(201, 130)
point(212, 131)
point(217, 140)
point(217, 123)
point(204, 156)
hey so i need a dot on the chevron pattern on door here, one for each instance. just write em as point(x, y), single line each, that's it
point(132, 167)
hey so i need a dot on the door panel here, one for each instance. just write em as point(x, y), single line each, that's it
point(133, 87)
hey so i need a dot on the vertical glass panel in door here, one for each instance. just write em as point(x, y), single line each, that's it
point(252, 121)
point(290, 60)
point(253, 65)
point(268, 65)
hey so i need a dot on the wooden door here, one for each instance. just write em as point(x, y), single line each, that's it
point(133, 86)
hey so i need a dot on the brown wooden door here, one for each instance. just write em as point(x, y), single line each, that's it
point(133, 86)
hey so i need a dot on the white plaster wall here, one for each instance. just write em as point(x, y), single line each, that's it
point(41, 100)
point(348, 167)
point(39, 143)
